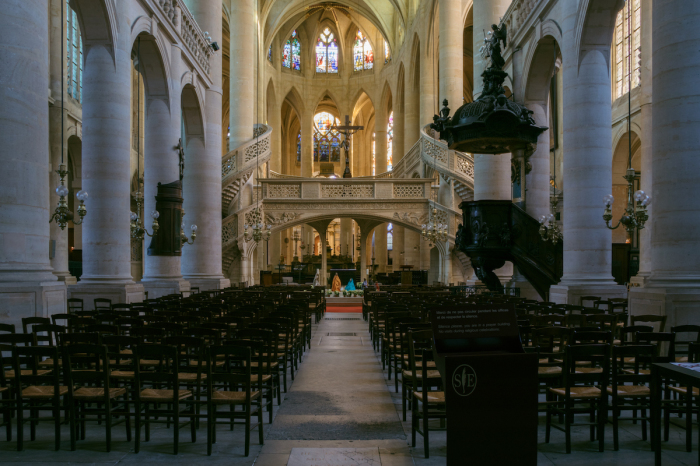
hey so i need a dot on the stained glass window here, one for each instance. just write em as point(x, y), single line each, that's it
point(326, 140)
point(362, 53)
point(291, 57)
point(299, 146)
point(326, 53)
point(387, 55)
point(269, 54)
point(623, 25)
point(389, 140)
point(74, 55)
point(390, 237)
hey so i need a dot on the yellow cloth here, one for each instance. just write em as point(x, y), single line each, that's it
point(336, 283)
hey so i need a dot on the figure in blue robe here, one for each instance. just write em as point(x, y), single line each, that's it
point(350, 286)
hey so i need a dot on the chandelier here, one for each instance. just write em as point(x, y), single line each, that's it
point(183, 237)
point(138, 231)
point(259, 232)
point(62, 215)
point(549, 229)
point(635, 215)
point(434, 232)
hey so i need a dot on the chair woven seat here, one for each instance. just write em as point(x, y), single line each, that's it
point(433, 397)
point(431, 374)
point(578, 392)
point(226, 397)
point(589, 370)
point(42, 391)
point(684, 390)
point(204, 363)
point(265, 377)
point(551, 370)
point(96, 394)
point(630, 391)
point(2, 389)
point(190, 376)
point(11, 374)
point(152, 394)
point(123, 374)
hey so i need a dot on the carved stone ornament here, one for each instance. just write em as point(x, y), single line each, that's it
point(286, 217)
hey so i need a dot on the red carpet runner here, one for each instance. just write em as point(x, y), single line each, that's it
point(354, 308)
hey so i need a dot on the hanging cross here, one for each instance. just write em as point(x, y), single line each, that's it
point(347, 130)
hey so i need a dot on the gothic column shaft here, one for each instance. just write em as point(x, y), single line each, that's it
point(380, 142)
point(537, 181)
point(57, 138)
point(451, 60)
point(587, 161)
point(27, 286)
point(646, 138)
point(201, 262)
point(307, 148)
point(242, 69)
point(675, 242)
point(106, 165)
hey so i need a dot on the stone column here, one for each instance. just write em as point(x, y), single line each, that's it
point(676, 124)
point(307, 146)
point(201, 261)
point(397, 142)
point(242, 68)
point(537, 181)
point(162, 275)
point(587, 173)
point(346, 236)
point(322, 228)
point(380, 141)
point(107, 171)
point(451, 48)
point(399, 244)
point(411, 132)
point(27, 286)
point(428, 75)
point(58, 140)
point(646, 141)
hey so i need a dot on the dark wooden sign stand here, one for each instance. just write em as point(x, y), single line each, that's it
point(490, 385)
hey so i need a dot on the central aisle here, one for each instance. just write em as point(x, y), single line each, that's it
point(339, 392)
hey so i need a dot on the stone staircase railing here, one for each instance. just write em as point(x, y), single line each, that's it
point(451, 164)
point(238, 164)
point(181, 19)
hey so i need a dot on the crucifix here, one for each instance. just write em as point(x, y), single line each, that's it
point(347, 130)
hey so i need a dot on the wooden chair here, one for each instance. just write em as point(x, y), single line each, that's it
point(582, 388)
point(29, 322)
point(90, 391)
point(37, 390)
point(155, 388)
point(263, 381)
point(7, 328)
point(685, 405)
point(103, 304)
point(427, 403)
point(591, 299)
point(649, 319)
point(628, 334)
point(629, 389)
point(75, 304)
point(682, 345)
point(267, 341)
point(233, 385)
